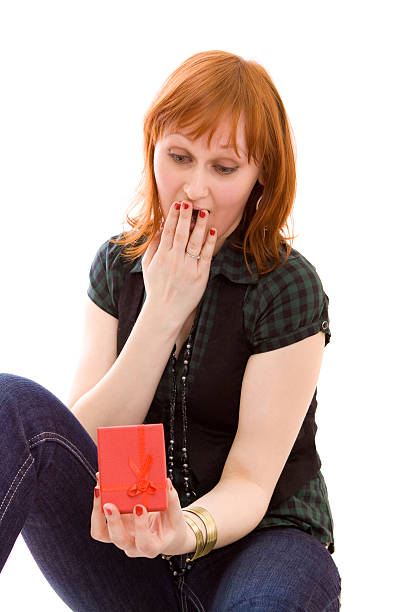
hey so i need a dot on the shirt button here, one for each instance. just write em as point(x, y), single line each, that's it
point(325, 325)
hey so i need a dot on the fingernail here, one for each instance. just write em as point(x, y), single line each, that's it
point(96, 489)
point(186, 205)
point(139, 510)
point(177, 205)
point(212, 232)
point(107, 511)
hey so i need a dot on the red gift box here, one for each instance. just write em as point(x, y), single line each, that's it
point(132, 466)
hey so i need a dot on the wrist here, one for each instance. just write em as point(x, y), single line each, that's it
point(190, 543)
point(167, 324)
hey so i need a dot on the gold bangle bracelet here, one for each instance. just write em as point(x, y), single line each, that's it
point(199, 539)
point(210, 526)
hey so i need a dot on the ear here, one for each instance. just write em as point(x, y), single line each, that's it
point(261, 177)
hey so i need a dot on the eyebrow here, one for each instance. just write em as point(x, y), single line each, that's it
point(222, 146)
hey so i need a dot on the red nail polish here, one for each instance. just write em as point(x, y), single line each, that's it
point(202, 213)
point(185, 205)
point(212, 232)
point(139, 510)
point(108, 511)
point(96, 489)
point(177, 206)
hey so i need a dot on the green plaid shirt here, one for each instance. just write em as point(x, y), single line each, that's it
point(280, 308)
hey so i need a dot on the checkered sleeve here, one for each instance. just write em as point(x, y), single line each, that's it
point(104, 281)
point(291, 305)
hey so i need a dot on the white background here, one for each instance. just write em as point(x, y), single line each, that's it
point(76, 79)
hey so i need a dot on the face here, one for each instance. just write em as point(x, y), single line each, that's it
point(212, 178)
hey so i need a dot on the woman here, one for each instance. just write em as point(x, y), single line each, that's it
point(211, 323)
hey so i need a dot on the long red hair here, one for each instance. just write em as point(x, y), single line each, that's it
point(204, 89)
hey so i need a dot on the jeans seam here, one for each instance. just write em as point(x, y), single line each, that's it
point(323, 576)
point(53, 437)
point(14, 492)
point(68, 444)
point(182, 597)
point(193, 597)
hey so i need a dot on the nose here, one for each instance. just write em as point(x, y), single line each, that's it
point(195, 187)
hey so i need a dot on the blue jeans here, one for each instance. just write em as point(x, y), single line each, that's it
point(47, 478)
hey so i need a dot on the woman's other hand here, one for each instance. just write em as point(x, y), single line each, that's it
point(174, 280)
point(147, 535)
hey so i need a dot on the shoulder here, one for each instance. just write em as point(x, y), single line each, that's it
point(286, 305)
point(109, 253)
point(107, 274)
point(296, 275)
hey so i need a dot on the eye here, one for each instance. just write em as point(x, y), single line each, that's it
point(180, 157)
point(222, 169)
point(225, 170)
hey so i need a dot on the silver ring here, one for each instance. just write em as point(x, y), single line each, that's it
point(194, 256)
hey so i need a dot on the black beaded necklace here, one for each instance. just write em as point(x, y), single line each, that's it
point(184, 454)
point(186, 470)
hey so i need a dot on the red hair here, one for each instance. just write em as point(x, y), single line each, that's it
point(204, 89)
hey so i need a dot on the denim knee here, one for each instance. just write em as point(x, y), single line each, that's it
point(8, 386)
point(15, 389)
point(7, 380)
point(10, 383)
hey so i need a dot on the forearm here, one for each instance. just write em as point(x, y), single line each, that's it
point(123, 396)
point(237, 507)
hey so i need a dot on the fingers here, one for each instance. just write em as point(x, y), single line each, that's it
point(152, 248)
point(202, 242)
point(135, 537)
point(197, 236)
point(169, 228)
point(146, 542)
point(152, 535)
point(141, 535)
point(176, 231)
point(207, 251)
point(198, 242)
point(182, 233)
point(174, 510)
point(99, 530)
point(176, 235)
point(118, 534)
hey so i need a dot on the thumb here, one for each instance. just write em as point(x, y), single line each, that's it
point(174, 506)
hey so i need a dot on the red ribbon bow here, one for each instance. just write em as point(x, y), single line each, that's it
point(141, 485)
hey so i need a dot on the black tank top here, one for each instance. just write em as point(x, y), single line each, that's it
point(213, 401)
